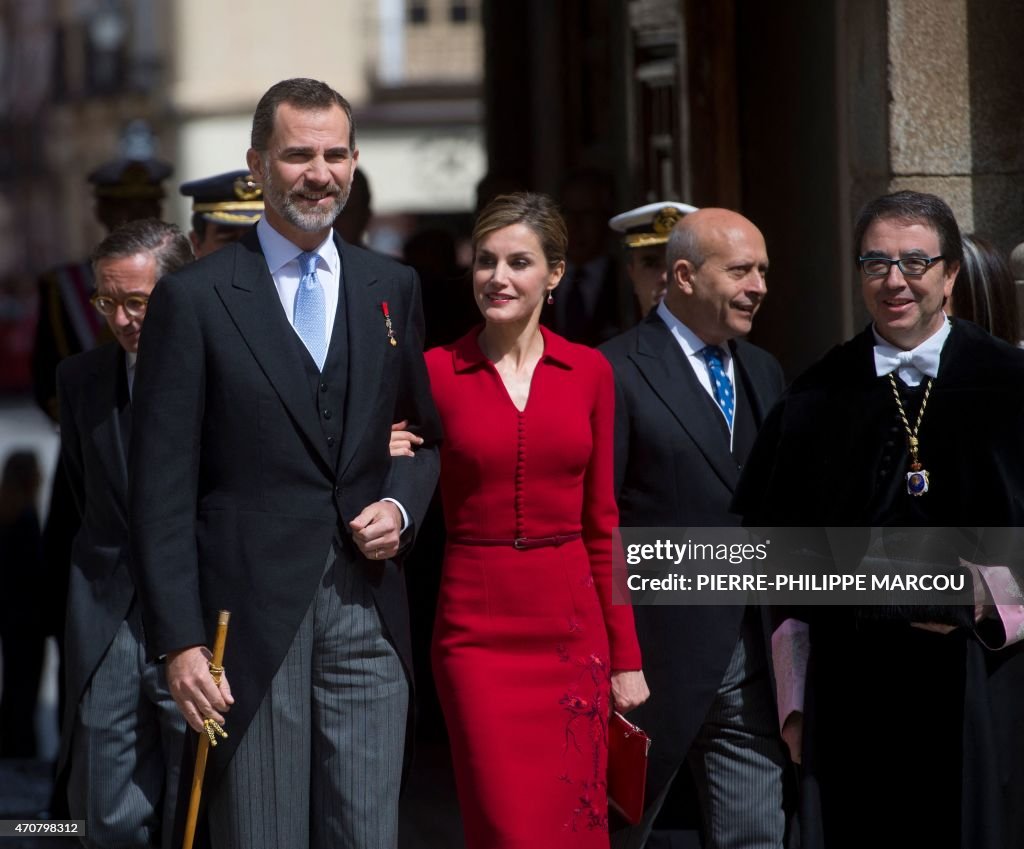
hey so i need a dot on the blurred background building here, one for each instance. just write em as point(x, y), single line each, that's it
point(795, 113)
point(76, 74)
point(412, 70)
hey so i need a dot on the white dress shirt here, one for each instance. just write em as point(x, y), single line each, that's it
point(692, 345)
point(283, 261)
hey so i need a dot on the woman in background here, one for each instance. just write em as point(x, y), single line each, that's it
point(985, 292)
point(529, 653)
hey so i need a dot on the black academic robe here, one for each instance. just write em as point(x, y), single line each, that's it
point(919, 731)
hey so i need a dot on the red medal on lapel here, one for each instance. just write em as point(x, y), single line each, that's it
point(387, 323)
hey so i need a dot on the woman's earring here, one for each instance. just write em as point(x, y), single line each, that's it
point(551, 298)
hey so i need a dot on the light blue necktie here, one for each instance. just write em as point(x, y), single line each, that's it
point(311, 309)
point(720, 383)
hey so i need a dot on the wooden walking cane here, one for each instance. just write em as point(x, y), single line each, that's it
point(206, 737)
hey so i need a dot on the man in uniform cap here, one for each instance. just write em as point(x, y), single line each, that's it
point(645, 231)
point(224, 207)
point(128, 189)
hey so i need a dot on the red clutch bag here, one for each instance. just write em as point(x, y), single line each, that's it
point(628, 746)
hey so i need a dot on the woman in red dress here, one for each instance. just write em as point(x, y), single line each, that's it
point(529, 654)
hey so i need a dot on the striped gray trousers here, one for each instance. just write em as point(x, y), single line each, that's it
point(737, 760)
point(320, 765)
point(126, 748)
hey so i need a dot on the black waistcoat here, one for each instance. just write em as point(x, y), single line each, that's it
point(328, 389)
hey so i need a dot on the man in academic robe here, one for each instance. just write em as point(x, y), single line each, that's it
point(907, 720)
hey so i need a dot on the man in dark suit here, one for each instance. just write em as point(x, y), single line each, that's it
point(127, 188)
point(691, 394)
point(262, 484)
point(121, 729)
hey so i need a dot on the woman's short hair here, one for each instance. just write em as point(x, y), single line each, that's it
point(537, 211)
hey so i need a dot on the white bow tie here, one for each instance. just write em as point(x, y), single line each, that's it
point(909, 365)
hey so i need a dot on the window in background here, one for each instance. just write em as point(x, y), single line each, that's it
point(418, 12)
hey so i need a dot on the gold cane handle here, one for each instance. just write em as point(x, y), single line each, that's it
point(216, 670)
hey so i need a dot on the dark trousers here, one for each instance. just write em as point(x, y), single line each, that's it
point(126, 748)
point(320, 765)
point(737, 760)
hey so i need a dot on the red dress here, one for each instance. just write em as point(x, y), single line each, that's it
point(526, 638)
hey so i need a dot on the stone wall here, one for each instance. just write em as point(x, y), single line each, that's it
point(956, 111)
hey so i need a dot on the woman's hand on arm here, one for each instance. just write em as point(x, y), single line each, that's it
point(403, 442)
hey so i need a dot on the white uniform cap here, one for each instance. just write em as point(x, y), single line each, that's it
point(649, 224)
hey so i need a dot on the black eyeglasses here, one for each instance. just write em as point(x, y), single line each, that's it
point(134, 305)
point(911, 266)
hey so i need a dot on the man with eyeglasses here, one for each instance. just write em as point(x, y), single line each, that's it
point(126, 188)
point(122, 733)
point(907, 718)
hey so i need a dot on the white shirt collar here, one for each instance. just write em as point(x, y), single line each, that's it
point(914, 365)
point(691, 345)
point(689, 341)
point(279, 251)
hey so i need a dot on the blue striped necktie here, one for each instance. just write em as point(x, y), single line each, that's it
point(720, 383)
point(311, 309)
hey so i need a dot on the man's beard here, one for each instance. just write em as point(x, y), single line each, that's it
point(310, 221)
